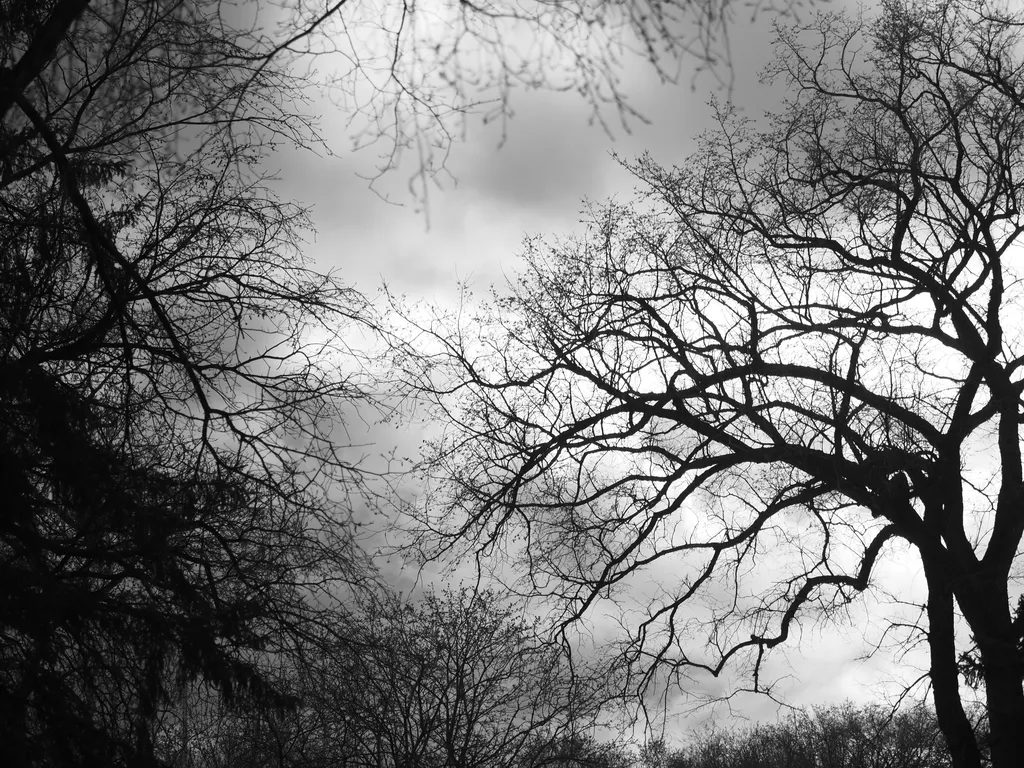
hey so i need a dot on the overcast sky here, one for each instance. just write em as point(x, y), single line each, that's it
point(535, 184)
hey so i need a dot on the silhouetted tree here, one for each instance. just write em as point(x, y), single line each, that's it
point(801, 352)
point(172, 373)
point(406, 74)
point(460, 680)
point(167, 396)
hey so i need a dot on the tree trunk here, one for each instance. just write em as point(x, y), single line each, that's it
point(1000, 658)
point(1005, 702)
point(945, 677)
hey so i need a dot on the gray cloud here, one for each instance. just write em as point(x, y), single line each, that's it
point(534, 184)
point(551, 157)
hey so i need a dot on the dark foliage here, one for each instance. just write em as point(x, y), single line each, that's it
point(165, 431)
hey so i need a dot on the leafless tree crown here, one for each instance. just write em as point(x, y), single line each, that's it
point(798, 354)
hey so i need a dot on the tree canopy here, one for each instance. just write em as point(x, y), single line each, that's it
point(794, 357)
point(455, 680)
point(175, 376)
point(168, 402)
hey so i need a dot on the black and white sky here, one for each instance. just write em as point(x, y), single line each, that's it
point(534, 183)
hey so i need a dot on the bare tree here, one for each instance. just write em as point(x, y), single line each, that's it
point(406, 75)
point(170, 395)
point(174, 377)
point(462, 680)
point(458, 680)
point(799, 354)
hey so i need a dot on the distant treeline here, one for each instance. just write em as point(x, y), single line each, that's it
point(841, 736)
point(838, 736)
